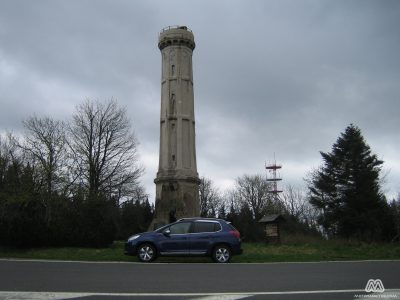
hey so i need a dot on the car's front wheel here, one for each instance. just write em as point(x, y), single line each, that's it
point(221, 254)
point(146, 253)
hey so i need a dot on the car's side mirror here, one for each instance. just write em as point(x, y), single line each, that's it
point(167, 232)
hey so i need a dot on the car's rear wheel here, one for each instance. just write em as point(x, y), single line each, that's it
point(146, 253)
point(221, 254)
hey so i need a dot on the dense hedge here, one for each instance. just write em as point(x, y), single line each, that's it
point(29, 218)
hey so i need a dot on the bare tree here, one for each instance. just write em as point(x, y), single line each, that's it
point(210, 198)
point(45, 144)
point(253, 190)
point(9, 153)
point(230, 201)
point(105, 149)
point(138, 194)
point(296, 204)
point(295, 201)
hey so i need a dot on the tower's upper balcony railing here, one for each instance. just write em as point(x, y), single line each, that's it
point(175, 27)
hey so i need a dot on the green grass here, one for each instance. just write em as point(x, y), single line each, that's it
point(113, 253)
point(322, 251)
point(288, 251)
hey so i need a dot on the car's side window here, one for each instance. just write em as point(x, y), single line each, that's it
point(217, 227)
point(180, 228)
point(206, 227)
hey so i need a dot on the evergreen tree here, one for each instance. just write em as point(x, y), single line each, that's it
point(135, 215)
point(347, 192)
point(395, 209)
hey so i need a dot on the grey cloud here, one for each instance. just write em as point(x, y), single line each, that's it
point(270, 76)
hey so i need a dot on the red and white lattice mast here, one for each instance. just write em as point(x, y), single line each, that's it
point(274, 178)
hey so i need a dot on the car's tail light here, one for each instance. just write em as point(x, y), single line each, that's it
point(235, 233)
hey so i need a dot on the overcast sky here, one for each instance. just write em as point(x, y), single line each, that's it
point(283, 77)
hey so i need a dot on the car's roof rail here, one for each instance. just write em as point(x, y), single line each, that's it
point(184, 219)
point(200, 219)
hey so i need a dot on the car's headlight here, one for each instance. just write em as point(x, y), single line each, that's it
point(133, 237)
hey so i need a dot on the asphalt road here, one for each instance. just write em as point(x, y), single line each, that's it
point(21, 279)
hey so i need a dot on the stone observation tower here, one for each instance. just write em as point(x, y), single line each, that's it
point(177, 182)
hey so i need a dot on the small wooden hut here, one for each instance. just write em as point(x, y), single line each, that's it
point(272, 227)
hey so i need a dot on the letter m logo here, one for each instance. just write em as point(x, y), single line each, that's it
point(375, 286)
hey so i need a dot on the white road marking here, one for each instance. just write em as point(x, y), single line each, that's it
point(223, 297)
point(40, 295)
point(15, 295)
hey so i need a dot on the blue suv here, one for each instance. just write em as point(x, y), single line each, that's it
point(216, 238)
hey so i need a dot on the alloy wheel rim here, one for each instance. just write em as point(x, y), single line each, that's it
point(222, 255)
point(146, 253)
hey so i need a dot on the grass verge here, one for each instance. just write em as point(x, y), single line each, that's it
point(253, 252)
